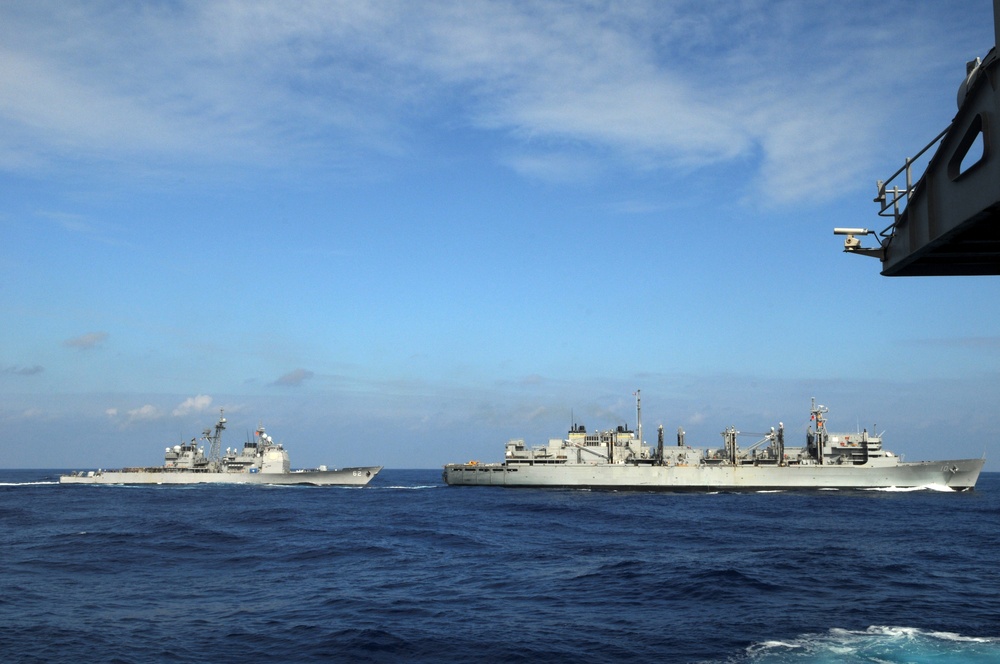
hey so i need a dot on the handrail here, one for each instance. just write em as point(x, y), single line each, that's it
point(897, 193)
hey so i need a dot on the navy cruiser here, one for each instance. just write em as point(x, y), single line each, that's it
point(620, 459)
point(260, 461)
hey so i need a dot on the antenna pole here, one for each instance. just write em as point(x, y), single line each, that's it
point(638, 406)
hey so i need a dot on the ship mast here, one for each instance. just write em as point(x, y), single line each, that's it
point(638, 415)
point(215, 439)
point(821, 435)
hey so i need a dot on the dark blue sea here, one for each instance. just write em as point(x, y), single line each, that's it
point(409, 570)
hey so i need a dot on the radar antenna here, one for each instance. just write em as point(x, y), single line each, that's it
point(215, 438)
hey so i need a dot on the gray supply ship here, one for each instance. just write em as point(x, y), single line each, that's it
point(260, 461)
point(620, 459)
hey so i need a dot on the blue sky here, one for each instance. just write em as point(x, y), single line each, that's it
point(401, 233)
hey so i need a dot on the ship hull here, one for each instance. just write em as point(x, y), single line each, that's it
point(955, 474)
point(358, 476)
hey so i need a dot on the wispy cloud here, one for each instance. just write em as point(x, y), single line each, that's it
point(23, 371)
point(87, 341)
point(294, 378)
point(649, 84)
point(80, 225)
point(190, 405)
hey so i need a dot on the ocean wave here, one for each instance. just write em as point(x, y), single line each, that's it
point(877, 643)
point(26, 483)
point(906, 489)
point(252, 573)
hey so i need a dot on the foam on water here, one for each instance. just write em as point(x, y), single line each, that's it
point(906, 489)
point(26, 483)
point(877, 644)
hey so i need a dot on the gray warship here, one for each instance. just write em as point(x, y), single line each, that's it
point(619, 459)
point(260, 461)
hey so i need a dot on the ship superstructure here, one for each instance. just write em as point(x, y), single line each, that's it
point(259, 461)
point(620, 459)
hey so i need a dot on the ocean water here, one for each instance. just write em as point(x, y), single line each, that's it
point(410, 570)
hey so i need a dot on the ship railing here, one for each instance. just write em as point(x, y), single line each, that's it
point(897, 197)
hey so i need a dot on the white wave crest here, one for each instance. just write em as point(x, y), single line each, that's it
point(877, 643)
point(27, 483)
point(913, 632)
point(905, 489)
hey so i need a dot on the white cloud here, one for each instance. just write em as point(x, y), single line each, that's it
point(192, 405)
point(649, 84)
point(147, 412)
point(90, 121)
